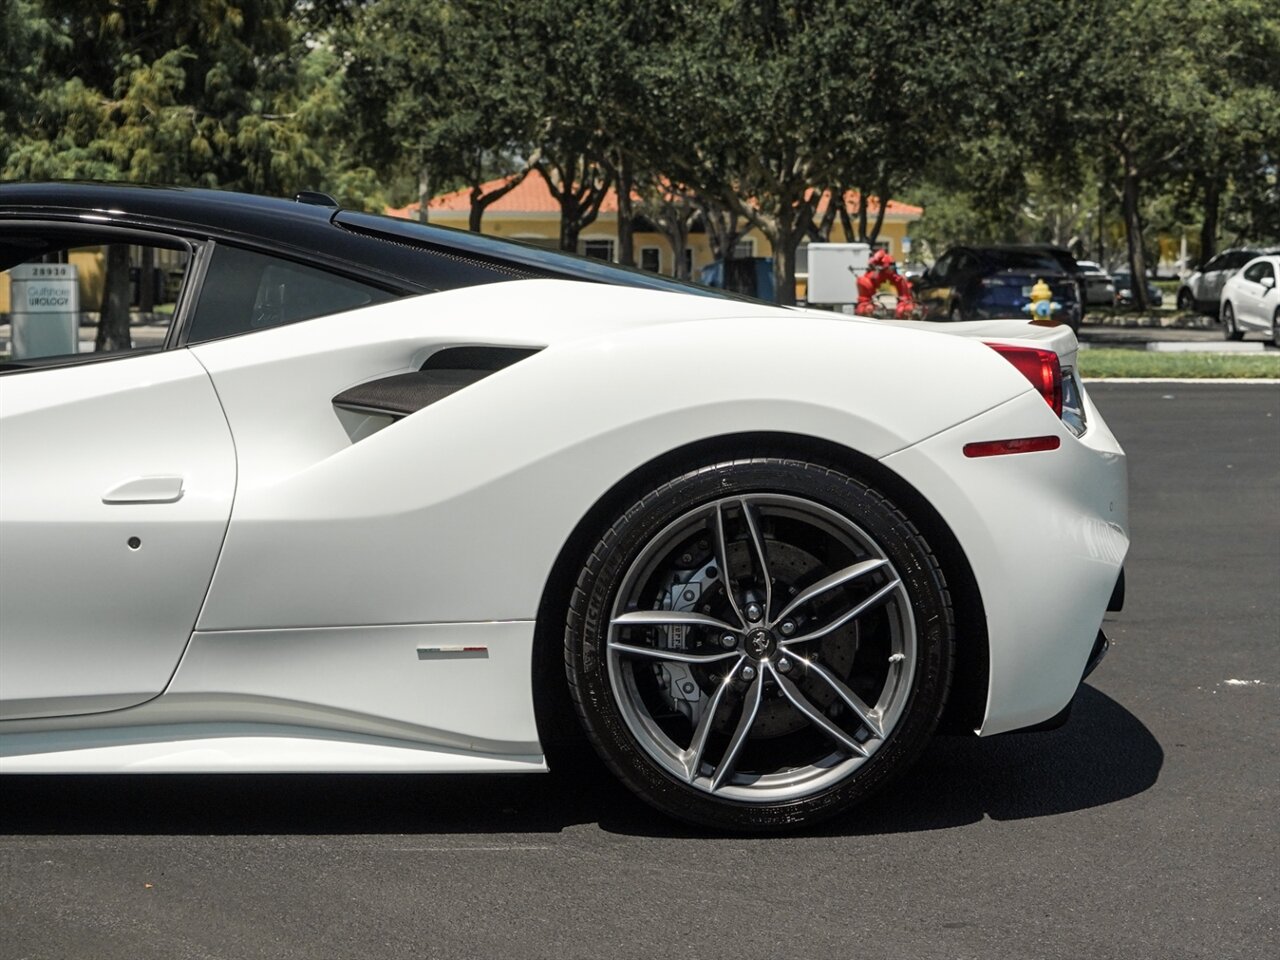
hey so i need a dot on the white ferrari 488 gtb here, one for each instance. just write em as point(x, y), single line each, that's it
point(318, 491)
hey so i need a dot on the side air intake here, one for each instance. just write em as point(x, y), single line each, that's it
point(445, 373)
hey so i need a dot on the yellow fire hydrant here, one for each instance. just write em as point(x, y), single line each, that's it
point(1042, 305)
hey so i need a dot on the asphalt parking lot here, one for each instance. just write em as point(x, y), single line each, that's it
point(1146, 827)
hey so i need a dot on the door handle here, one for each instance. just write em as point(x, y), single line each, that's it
point(146, 490)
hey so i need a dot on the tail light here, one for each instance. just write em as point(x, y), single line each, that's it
point(1040, 367)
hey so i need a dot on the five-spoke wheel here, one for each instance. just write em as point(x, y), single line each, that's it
point(758, 643)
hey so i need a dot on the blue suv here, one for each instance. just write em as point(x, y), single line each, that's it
point(981, 283)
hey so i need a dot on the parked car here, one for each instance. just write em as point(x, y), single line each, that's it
point(1251, 300)
point(1202, 290)
point(1123, 282)
point(1065, 259)
point(1100, 289)
point(974, 283)
point(396, 498)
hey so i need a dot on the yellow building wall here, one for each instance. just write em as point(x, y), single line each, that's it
point(545, 228)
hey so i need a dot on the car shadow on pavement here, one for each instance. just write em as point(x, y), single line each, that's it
point(1102, 755)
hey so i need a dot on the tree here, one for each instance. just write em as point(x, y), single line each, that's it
point(1233, 120)
point(584, 71)
point(201, 93)
point(436, 87)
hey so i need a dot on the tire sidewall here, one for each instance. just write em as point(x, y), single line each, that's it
point(603, 577)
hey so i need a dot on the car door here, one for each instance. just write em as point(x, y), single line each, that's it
point(1228, 267)
point(117, 474)
point(1252, 288)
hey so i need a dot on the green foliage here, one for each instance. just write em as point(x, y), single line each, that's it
point(205, 93)
point(1091, 123)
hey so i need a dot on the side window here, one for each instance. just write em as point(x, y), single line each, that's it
point(1258, 271)
point(67, 293)
point(942, 268)
point(1235, 261)
point(244, 291)
point(1215, 263)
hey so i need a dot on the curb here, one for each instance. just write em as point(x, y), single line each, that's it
point(1242, 381)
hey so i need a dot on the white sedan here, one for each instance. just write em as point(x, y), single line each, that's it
point(359, 494)
point(1251, 300)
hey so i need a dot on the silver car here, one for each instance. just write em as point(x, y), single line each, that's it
point(1202, 291)
point(1098, 287)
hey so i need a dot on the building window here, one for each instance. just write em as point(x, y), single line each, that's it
point(744, 248)
point(651, 259)
point(598, 249)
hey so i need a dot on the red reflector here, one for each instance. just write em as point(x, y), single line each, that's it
point(1041, 367)
point(998, 448)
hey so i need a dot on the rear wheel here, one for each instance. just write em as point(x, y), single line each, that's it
point(759, 644)
point(1186, 303)
point(1230, 330)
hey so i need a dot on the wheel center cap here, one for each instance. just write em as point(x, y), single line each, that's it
point(760, 644)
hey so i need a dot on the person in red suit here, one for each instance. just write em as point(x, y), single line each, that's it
point(881, 270)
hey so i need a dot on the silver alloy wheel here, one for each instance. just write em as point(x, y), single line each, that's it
point(1229, 329)
point(786, 635)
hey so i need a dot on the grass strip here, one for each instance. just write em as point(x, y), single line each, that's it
point(1191, 366)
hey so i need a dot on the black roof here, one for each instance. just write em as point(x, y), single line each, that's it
point(399, 252)
point(1031, 257)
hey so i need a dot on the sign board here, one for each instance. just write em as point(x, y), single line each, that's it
point(44, 301)
point(834, 269)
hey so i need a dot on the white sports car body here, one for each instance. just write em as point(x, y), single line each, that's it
point(371, 541)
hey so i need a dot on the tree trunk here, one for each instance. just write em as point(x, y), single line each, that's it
point(481, 201)
point(679, 240)
point(1209, 229)
point(846, 222)
point(784, 266)
point(822, 232)
point(147, 281)
point(1133, 233)
point(1102, 229)
point(862, 214)
point(424, 193)
point(882, 204)
point(626, 236)
point(113, 321)
point(569, 228)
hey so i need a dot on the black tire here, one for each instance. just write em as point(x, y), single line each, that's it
point(1230, 331)
point(774, 504)
point(1275, 329)
point(1186, 302)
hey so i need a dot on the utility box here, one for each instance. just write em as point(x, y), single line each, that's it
point(44, 302)
point(834, 269)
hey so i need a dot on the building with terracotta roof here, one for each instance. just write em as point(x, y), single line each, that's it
point(530, 213)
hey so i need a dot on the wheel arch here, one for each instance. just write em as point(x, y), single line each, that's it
point(556, 719)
